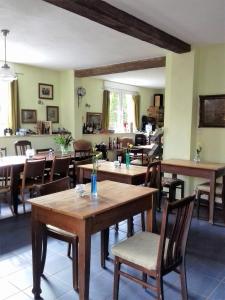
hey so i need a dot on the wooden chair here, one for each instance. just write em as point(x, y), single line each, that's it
point(33, 173)
point(5, 185)
point(124, 141)
point(80, 145)
point(140, 139)
point(138, 157)
point(3, 151)
point(203, 194)
point(22, 146)
point(54, 232)
point(157, 255)
point(172, 184)
point(60, 167)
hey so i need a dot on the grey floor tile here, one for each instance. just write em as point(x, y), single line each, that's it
point(7, 289)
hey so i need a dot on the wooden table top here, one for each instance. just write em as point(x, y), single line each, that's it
point(109, 167)
point(192, 164)
point(111, 194)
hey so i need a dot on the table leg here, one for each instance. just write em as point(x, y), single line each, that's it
point(37, 231)
point(81, 175)
point(104, 246)
point(130, 227)
point(150, 215)
point(84, 264)
point(15, 184)
point(212, 198)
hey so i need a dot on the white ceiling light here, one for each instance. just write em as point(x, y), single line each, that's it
point(6, 74)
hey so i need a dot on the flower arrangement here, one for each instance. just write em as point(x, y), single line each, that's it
point(198, 149)
point(197, 154)
point(96, 155)
point(63, 139)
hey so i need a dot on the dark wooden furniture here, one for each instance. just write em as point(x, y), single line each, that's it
point(172, 184)
point(22, 146)
point(157, 255)
point(60, 167)
point(33, 173)
point(140, 139)
point(3, 151)
point(211, 111)
point(5, 185)
point(203, 194)
point(55, 232)
point(80, 215)
point(80, 145)
point(210, 171)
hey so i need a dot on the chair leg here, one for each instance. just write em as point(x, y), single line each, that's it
point(9, 199)
point(75, 263)
point(144, 278)
point(182, 190)
point(44, 251)
point(198, 204)
point(183, 282)
point(159, 286)
point(116, 279)
point(69, 250)
point(116, 227)
point(143, 221)
point(22, 199)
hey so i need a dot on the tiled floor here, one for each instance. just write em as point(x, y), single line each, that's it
point(205, 266)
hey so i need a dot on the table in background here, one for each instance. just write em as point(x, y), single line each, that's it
point(84, 217)
point(210, 171)
point(107, 171)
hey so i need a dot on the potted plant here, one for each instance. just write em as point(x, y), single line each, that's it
point(64, 141)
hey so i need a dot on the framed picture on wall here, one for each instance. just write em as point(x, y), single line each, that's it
point(45, 91)
point(52, 113)
point(94, 119)
point(212, 111)
point(29, 116)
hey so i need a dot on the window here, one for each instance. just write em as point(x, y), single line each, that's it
point(121, 114)
point(5, 107)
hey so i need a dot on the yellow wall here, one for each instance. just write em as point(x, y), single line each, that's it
point(211, 80)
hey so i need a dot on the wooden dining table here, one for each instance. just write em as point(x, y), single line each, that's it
point(107, 170)
point(17, 162)
point(207, 170)
point(84, 216)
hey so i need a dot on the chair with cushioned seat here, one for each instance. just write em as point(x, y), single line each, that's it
point(55, 232)
point(203, 194)
point(156, 255)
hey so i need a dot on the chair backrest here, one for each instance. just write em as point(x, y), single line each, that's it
point(140, 139)
point(125, 140)
point(6, 177)
point(3, 151)
point(174, 234)
point(22, 146)
point(33, 168)
point(52, 187)
point(82, 145)
point(60, 166)
point(153, 175)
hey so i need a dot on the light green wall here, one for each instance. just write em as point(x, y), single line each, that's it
point(94, 95)
point(211, 80)
point(178, 105)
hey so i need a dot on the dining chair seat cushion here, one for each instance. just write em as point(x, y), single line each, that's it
point(204, 189)
point(140, 249)
point(60, 231)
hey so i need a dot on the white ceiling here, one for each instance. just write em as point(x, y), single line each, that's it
point(150, 78)
point(47, 36)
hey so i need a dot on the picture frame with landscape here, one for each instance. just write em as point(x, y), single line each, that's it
point(45, 91)
point(29, 116)
point(52, 113)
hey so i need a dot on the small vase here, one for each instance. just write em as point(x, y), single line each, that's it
point(64, 149)
point(197, 158)
point(94, 185)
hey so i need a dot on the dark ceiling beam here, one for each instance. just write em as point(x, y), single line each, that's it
point(112, 17)
point(123, 67)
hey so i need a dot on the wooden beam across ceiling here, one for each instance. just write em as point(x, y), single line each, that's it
point(112, 17)
point(123, 67)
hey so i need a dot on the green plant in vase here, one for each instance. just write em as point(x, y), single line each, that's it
point(64, 141)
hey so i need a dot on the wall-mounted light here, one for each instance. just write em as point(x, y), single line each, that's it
point(81, 92)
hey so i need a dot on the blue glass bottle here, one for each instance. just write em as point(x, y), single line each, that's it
point(94, 184)
point(127, 160)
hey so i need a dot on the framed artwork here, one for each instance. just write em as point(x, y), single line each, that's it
point(94, 119)
point(212, 111)
point(29, 116)
point(52, 114)
point(45, 91)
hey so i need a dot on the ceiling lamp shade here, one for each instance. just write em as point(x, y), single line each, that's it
point(6, 74)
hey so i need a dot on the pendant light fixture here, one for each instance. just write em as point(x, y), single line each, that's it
point(6, 74)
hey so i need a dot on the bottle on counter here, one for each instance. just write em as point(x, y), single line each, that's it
point(110, 144)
